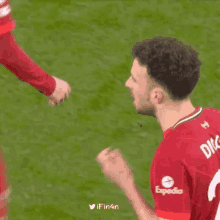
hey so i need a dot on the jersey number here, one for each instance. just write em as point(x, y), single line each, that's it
point(211, 191)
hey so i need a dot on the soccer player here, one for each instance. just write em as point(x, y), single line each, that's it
point(14, 58)
point(185, 172)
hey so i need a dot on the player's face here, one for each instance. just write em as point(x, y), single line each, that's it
point(138, 86)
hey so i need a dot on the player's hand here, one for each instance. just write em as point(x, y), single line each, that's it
point(61, 92)
point(116, 169)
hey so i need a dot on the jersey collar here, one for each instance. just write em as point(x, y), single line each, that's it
point(198, 111)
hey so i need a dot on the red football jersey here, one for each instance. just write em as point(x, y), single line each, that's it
point(185, 172)
point(7, 23)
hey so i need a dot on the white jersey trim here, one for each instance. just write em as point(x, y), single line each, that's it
point(189, 118)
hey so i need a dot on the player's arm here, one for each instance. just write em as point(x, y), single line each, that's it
point(143, 210)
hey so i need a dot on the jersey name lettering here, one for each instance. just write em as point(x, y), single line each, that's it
point(211, 147)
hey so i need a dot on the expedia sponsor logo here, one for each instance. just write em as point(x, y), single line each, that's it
point(175, 190)
point(168, 182)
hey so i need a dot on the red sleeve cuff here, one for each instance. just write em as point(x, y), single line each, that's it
point(173, 216)
point(51, 85)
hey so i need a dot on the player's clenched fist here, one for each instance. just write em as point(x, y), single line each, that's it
point(61, 92)
point(116, 169)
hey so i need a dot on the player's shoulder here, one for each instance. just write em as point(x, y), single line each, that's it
point(194, 130)
point(191, 126)
point(209, 110)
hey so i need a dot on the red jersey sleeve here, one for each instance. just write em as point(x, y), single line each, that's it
point(14, 58)
point(169, 186)
point(7, 23)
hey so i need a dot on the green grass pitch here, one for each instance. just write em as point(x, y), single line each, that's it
point(51, 151)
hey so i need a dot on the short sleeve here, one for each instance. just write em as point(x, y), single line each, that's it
point(170, 188)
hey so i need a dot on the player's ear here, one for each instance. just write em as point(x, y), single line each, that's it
point(157, 96)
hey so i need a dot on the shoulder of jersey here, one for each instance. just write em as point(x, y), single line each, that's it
point(197, 125)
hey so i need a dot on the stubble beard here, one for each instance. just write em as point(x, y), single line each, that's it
point(149, 111)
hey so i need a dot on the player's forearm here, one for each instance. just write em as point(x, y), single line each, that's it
point(45, 85)
point(142, 209)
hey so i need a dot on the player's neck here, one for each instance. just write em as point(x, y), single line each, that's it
point(169, 115)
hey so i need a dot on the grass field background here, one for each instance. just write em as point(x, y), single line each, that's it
point(51, 151)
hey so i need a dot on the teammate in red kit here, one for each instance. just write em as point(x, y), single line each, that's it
point(13, 57)
point(185, 172)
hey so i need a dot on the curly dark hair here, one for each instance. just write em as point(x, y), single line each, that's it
point(170, 63)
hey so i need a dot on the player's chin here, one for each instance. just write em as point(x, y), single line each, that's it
point(144, 111)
